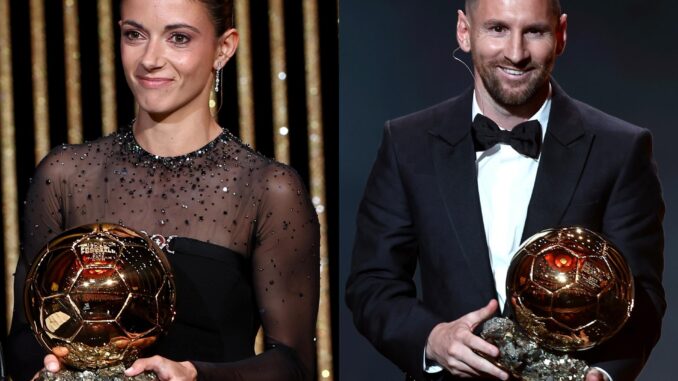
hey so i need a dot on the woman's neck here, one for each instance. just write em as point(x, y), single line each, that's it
point(174, 136)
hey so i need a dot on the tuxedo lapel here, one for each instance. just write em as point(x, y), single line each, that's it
point(455, 170)
point(564, 153)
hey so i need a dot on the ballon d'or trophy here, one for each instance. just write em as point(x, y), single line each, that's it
point(570, 289)
point(100, 293)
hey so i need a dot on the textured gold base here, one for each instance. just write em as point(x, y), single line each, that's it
point(114, 373)
point(524, 360)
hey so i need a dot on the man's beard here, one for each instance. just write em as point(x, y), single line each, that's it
point(513, 96)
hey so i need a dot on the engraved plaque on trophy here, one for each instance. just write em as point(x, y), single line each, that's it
point(100, 293)
point(570, 289)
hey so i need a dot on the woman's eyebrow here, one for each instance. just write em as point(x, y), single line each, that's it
point(167, 27)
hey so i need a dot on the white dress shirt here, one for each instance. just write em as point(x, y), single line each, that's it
point(505, 182)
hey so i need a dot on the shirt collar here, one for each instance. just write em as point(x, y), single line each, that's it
point(542, 115)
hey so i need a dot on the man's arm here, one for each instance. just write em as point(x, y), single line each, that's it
point(381, 290)
point(633, 222)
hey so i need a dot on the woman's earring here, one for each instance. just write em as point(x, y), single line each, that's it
point(217, 81)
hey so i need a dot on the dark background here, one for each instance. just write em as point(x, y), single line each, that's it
point(396, 58)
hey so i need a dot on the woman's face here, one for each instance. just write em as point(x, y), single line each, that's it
point(168, 50)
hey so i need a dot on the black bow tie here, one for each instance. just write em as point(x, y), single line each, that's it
point(525, 138)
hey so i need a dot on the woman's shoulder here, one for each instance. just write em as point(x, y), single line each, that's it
point(65, 159)
point(283, 187)
point(276, 176)
point(259, 164)
point(99, 145)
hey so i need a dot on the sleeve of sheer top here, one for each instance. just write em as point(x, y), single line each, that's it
point(285, 267)
point(42, 220)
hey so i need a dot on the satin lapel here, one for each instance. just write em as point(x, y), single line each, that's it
point(455, 169)
point(564, 154)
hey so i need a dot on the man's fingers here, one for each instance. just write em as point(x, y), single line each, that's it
point(459, 368)
point(478, 316)
point(479, 345)
point(480, 364)
point(462, 357)
point(454, 346)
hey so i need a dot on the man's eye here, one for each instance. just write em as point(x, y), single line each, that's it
point(497, 29)
point(535, 32)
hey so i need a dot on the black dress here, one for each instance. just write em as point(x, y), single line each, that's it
point(244, 248)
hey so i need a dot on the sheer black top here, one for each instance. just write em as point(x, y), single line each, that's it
point(245, 252)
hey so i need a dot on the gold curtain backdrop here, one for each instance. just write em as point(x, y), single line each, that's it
point(60, 82)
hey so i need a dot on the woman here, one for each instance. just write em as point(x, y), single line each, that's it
point(243, 234)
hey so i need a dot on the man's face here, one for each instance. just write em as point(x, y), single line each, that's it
point(514, 44)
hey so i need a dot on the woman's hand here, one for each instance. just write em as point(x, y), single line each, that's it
point(52, 362)
point(167, 370)
point(596, 375)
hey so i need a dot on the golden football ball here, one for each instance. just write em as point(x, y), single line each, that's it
point(570, 288)
point(102, 291)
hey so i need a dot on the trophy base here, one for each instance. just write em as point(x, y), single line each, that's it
point(113, 373)
point(525, 360)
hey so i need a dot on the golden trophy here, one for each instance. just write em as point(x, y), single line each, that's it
point(570, 290)
point(101, 293)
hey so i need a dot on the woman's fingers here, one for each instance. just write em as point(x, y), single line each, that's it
point(52, 363)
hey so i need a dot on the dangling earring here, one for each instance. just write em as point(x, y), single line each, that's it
point(217, 81)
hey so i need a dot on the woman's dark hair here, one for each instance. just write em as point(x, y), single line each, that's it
point(221, 13)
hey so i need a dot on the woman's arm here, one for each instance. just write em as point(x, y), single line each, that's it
point(42, 220)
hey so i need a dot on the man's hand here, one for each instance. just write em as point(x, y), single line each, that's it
point(595, 375)
point(452, 345)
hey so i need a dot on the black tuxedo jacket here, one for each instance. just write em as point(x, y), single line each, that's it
point(421, 207)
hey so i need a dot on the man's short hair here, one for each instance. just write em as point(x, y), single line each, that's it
point(555, 6)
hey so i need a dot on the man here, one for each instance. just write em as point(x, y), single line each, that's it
point(442, 197)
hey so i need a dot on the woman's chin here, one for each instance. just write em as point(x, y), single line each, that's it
point(156, 110)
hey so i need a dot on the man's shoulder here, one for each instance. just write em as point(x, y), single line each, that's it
point(430, 118)
point(428, 114)
point(599, 122)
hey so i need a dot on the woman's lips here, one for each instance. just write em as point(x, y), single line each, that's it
point(153, 83)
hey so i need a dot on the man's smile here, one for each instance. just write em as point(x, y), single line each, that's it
point(513, 72)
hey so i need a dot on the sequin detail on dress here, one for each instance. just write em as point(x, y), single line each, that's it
point(131, 149)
